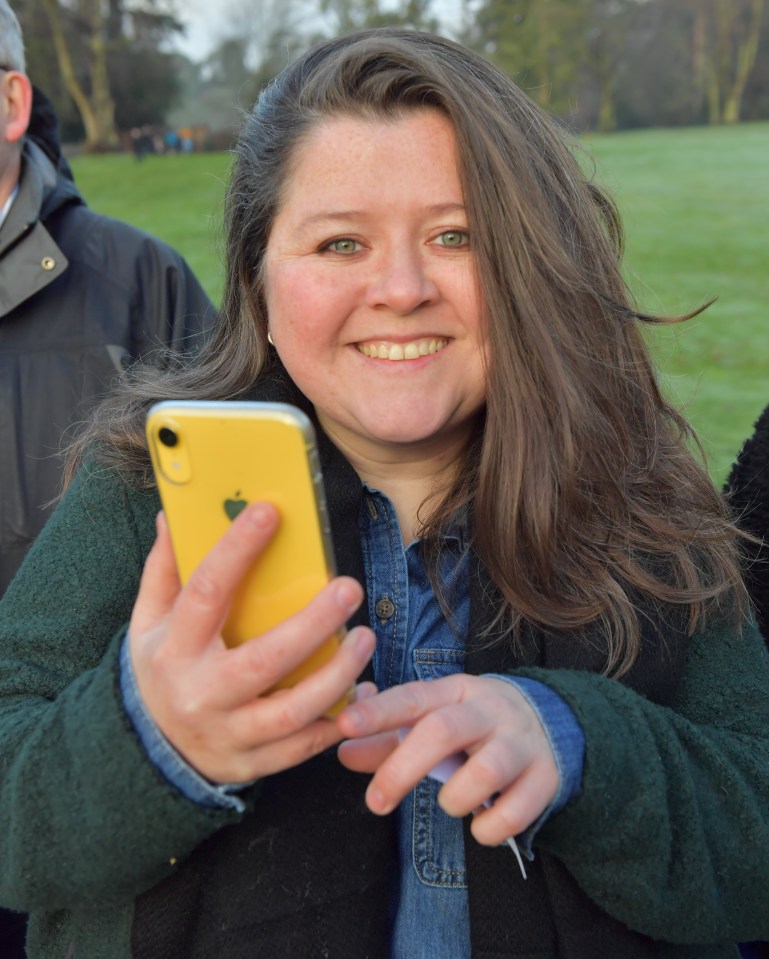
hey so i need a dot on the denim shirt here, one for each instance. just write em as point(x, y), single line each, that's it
point(430, 911)
point(414, 642)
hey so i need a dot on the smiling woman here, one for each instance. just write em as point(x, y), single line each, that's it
point(382, 262)
point(542, 586)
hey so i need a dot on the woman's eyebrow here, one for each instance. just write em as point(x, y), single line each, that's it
point(332, 216)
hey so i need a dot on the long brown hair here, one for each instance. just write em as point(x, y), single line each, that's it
point(585, 496)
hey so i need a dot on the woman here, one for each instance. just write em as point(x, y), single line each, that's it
point(417, 261)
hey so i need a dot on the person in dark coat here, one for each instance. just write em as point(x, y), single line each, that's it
point(748, 492)
point(747, 489)
point(82, 296)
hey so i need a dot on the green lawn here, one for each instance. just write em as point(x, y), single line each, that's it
point(696, 209)
point(178, 198)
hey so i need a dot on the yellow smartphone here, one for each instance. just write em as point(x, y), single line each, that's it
point(210, 460)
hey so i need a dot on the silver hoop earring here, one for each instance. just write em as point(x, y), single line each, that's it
point(270, 339)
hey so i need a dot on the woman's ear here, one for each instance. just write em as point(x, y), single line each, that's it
point(16, 104)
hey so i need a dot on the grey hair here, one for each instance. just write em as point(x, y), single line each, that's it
point(11, 40)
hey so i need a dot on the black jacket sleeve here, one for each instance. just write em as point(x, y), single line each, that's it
point(748, 492)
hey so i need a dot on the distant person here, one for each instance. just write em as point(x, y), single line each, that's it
point(82, 296)
point(171, 141)
point(187, 143)
point(137, 143)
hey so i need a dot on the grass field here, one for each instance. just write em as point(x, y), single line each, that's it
point(696, 208)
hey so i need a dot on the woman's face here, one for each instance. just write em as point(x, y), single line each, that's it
point(371, 288)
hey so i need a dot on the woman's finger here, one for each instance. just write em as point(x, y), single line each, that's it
point(289, 710)
point(501, 762)
point(159, 585)
point(250, 670)
point(366, 755)
point(203, 602)
point(274, 757)
point(517, 808)
point(400, 706)
point(439, 734)
point(364, 691)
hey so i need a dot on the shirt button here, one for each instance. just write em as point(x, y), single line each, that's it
point(48, 263)
point(384, 608)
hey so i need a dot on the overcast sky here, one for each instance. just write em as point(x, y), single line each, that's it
point(206, 22)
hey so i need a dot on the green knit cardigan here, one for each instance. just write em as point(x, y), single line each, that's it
point(670, 833)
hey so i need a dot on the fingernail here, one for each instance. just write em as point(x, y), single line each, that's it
point(348, 596)
point(353, 718)
point(365, 691)
point(376, 801)
point(364, 642)
point(261, 515)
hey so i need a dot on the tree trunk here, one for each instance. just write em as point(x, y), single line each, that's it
point(731, 56)
point(607, 117)
point(101, 96)
point(606, 73)
point(714, 95)
point(544, 79)
point(746, 58)
point(97, 111)
point(699, 59)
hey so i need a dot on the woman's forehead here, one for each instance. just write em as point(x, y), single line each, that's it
point(339, 151)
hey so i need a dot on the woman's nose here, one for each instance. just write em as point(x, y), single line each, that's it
point(401, 282)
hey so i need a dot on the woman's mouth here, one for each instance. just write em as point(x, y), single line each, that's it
point(383, 350)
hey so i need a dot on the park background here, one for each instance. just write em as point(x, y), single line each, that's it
point(668, 99)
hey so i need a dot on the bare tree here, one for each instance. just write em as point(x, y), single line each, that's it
point(728, 33)
point(607, 26)
point(272, 33)
point(95, 103)
point(350, 15)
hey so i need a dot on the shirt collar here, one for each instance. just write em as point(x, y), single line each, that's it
point(457, 530)
point(6, 207)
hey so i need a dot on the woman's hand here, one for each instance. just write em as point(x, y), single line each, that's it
point(210, 701)
point(509, 759)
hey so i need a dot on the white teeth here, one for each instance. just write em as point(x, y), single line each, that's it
point(402, 351)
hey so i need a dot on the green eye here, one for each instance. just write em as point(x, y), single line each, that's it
point(344, 246)
point(453, 238)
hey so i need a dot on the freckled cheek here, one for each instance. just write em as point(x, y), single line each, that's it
point(463, 289)
point(289, 295)
point(300, 304)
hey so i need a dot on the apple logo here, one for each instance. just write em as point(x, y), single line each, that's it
point(234, 506)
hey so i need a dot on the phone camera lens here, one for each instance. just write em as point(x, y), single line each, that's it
point(167, 436)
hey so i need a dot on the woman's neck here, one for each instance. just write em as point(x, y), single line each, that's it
point(407, 475)
point(407, 494)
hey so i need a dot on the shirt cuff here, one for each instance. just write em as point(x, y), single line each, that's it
point(567, 740)
point(170, 763)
